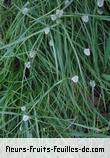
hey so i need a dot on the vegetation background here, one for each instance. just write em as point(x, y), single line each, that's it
point(39, 58)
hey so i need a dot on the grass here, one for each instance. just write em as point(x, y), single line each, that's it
point(55, 105)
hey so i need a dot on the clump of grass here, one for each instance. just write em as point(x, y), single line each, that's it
point(54, 69)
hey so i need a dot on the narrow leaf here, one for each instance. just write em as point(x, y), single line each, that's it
point(107, 51)
point(106, 77)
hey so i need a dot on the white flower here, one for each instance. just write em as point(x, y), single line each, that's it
point(59, 13)
point(51, 43)
point(87, 52)
point(25, 118)
point(100, 3)
point(75, 79)
point(53, 17)
point(47, 30)
point(85, 18)
point(92, 84)
point(31, 54)
point(23, 108)
point(25, 11)
point(28, 64)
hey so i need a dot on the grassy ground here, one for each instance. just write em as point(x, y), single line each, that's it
point(38, 57)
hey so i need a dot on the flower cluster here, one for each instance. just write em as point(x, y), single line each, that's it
point(59, 14)
point(87, 52)
point(75, 79)
point(28, 65)
point(47, 30)
point(92, 83)
point(31, 55)
point(25, 116)
point(23, 108)
point(100, 3)
point(25, 11)
point(85, 18)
